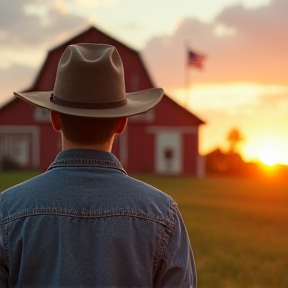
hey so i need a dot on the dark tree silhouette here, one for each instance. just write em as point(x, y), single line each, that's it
point(234, 137)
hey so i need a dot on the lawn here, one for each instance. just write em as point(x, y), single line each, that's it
point(8, 179)
point(238, 228)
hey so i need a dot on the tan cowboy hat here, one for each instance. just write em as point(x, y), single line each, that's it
point(90, 82)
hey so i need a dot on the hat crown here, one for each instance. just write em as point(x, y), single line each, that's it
point(90, 74)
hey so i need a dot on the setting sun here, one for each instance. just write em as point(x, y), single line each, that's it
point(269, 156)
point(268, 150)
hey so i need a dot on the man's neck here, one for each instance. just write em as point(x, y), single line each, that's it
point(67, 145)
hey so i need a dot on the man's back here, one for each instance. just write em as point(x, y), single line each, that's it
point(85, 223)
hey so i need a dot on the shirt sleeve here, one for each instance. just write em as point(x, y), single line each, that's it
point(177, 266)
point(3, 262)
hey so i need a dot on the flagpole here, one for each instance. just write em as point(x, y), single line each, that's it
point(194, 59)
point(186, 75)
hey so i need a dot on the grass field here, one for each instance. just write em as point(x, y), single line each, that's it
point(8, 179)
point(238, 228)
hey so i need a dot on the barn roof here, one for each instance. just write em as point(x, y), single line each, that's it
point(8, 102)
point(196, 119)
point(73, 40)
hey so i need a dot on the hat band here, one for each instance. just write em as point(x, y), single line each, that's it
point(82, 105)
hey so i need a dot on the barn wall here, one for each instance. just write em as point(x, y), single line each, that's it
point(17, 113)
point(141, 149)
point(142, 139)
point(169, 113)
point(49, 143)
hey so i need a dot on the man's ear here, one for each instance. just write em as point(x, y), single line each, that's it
point(55, 120)
point(121, 125)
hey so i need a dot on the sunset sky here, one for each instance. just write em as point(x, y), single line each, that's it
point(244, 83)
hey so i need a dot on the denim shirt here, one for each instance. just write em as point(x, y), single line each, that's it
point(86, 223)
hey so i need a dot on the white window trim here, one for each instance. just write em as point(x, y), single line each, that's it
point(34, 131)
point(180, 129)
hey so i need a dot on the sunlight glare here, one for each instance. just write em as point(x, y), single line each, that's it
point(262, 148)
point(269, 156)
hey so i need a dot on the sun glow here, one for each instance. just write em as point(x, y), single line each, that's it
point(241, 105)
point(269, 156)
point(267, 152)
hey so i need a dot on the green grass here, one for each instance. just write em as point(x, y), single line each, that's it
point(238, 228)
point(8, 179)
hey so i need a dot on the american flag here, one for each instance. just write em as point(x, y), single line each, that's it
point(195, 59)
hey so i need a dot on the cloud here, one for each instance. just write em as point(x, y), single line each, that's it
point(251, 46)
point(15, 78)
point(93, 3)
point(27, 30)
point(35, 23)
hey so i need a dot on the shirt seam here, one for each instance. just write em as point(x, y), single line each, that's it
point(83, 215)
point(6, 246)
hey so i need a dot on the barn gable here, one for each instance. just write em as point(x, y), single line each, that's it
point(170, 107)
point(168, 129)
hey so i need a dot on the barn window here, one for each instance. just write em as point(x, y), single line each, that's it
point(41, 115)
point(20, 144)
point(15, 148)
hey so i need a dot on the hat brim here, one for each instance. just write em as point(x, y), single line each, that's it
point(138, 102)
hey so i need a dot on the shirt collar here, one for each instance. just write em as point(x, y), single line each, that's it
point(86, 158)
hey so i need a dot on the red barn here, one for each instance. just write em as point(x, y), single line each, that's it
point(163, 141)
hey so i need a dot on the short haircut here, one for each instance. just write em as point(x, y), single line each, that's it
point(86, 130)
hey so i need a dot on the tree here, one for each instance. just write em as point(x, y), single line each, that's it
point(234, 137)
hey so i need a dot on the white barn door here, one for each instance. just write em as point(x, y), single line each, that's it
point(168, 152)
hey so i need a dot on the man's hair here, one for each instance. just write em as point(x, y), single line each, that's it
point(86, 130)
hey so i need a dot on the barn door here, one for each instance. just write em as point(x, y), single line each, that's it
point(168, 152)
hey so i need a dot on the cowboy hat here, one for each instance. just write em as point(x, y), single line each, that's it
point(90, 82)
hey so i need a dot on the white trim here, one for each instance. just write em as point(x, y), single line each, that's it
point(34, 131)
point(180, 129)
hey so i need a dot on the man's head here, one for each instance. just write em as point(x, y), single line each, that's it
point(87, 131)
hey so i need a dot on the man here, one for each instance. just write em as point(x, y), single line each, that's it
point(85, 222)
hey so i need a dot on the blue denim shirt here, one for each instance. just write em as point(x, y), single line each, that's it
point(86, 223)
